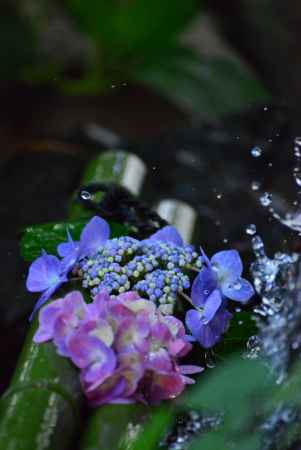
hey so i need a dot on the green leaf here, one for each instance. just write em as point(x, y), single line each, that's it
point(136, 26)
point(242, 327)
point(17, 44)
point(206, 87)
point(47, 236)
point(154, 431)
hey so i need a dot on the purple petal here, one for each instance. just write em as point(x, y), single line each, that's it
point(85, 350)
point(208, 334)
point(47, 318)
point(112, 389)
point(202, 286)
point(228, 265)
point(241, 291)
point(168, 234)
point(159, 361)
point(93, 236)
point(212, 304)
point(188, 369)
point(44, 272)
point(44, 298)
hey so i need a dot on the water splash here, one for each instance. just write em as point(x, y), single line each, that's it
point(190, 425)
point(251, 229)
point(292, 218)
point(277, 281)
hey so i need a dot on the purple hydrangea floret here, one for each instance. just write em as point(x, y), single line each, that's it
point(125, 349)
point(217, 282)
point(47, 273)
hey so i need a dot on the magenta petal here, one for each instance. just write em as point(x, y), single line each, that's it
point(159, 361)
point(202, 286)
point(165, 386)
point(240, 291)
point(168, 234)
point(228, 264)
point(44, 272)
point(93, 236)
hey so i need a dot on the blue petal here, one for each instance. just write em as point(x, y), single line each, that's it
point(202, 286)
point(205, 258)
point(168, 234)
point(241, 291)
point(44, 272)
point(208, 334)
point(228, 265)
point(193, 321)
point(44, 298)
point(93, 236)
point(65, 248)
point(212, 304)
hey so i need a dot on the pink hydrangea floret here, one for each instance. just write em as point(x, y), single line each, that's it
point(126, 350)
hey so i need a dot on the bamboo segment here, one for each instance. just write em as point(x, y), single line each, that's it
point(41, 408)
point(114, 427)
point(179, 214)
point(120, 167)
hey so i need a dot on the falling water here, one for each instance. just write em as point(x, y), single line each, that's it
point(292, 218)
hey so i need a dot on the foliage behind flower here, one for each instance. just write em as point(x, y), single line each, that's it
point(125, 348)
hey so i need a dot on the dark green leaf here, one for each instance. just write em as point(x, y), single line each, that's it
point(133, 28)
point(47, 236)
point(17, 44)
point(208, 87)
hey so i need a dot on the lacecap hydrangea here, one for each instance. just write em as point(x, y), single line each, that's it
point(161, 273)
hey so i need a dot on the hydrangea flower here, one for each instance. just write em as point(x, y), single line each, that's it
point(47, 273)
point(125, 349)
point(218, 281)
point(93, 236)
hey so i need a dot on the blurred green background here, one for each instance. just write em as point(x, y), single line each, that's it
point(93, 46)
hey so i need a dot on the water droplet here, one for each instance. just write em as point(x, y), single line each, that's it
point(297, 177)
point(236, 286)
point(298, 140)
point(253, 348)
point(85, 195)
point(258, 246)
point(256, 152)
point(266, 199)
point(251, 229)
point(255, 185)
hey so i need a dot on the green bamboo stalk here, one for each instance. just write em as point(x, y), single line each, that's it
point(42, 407)
point(114, 427)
